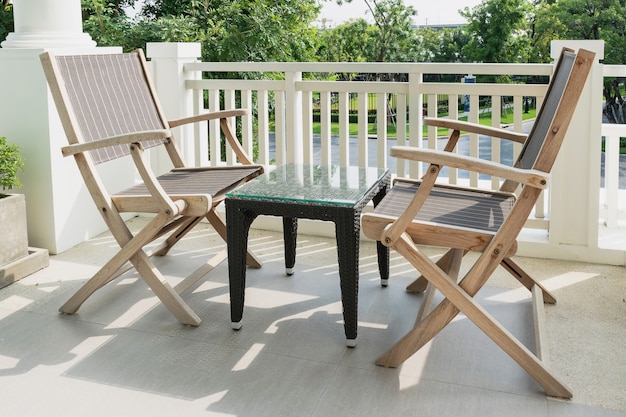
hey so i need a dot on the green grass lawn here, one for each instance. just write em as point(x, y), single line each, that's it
point(622, 146)
point(484, 118)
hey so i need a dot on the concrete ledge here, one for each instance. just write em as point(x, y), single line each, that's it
point(14, 271)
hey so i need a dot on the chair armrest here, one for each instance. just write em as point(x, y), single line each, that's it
point(116, 140)
point(222, 114)
point(476, 128)
point(534, 178)
point(169, 207)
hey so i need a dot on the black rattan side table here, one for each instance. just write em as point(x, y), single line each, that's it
point(320, 192)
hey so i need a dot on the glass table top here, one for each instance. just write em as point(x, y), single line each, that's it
point(317, 184)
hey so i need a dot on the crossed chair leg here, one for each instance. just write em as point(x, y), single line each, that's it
point(132, 255)
point(459, 298)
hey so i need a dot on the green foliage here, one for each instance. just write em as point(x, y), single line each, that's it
point(6, 19)
point(238, 30)
point(105, 21)
point(352, 41)
point(267, 30)
point(583, 19)
point(11, 163)
point(497, 31)
point(396, 40)
point(441, 45)
point(390, 39)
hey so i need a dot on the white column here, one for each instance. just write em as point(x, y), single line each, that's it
point(575, 182)
point(48, 24)
point(60, 212)
point(576, 174)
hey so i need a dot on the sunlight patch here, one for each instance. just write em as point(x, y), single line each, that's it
point(134, 313)
point(413, 367)
point(333, 308)
point(14, 302)
point(7, 362)
point(511, 296)
point(261, 298)
point(213, 399)
point(248, 357)
point(48, 289)
point(372, 325)
point(567, 279)
point(209, 285)
point(551, 284)
point(127, 281)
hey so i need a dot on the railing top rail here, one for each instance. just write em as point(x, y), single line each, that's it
point(614, 70)
point(613, 129)
point(371, 87)
point(373, 67)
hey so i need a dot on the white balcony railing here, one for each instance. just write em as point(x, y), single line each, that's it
point(293, 100)
point(613, 200)
point(299, 94)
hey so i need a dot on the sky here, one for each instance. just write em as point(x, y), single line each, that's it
point(429, 12)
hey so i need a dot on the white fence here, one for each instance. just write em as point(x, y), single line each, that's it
point(307, 89)
point(293, 99)
point(613, 198)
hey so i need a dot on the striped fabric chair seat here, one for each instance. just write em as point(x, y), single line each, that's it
point(110, 110)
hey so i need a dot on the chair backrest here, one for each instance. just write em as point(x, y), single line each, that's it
point(546, 113)
point(103, 96)
point(568, 79)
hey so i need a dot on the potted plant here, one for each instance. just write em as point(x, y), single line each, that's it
point(16, 258)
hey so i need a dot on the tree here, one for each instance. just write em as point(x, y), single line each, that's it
point(238, 30)
point(584, 19)
point(352, 41)
point(394, 40)
point(497, 31)
point(441, 45)
point(106, 21)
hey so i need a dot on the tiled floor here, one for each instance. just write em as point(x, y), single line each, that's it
point(125, 355)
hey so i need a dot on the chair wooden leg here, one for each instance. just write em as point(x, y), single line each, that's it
point(526, 280)
point(129, 246)
point(180, 232)
point(220, 227)
point(418, 286)
point(458, 300)
point(131, 250)
point(451, 265)
point(434, 322)
point(417, 337)
point(445, 263)
point(168, 296)
point(204, 269)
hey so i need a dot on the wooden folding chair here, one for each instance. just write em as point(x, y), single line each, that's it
point(109, 110)
point(469, 219)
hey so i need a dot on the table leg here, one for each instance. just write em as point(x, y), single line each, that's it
point(238, 223)
point(347, 226)
point(383, 263)
point(382, 250)
point(290, 235)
